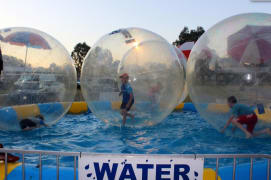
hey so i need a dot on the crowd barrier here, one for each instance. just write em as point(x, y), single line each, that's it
point(258, 170)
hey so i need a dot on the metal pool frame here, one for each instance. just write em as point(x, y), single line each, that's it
point(76, 155)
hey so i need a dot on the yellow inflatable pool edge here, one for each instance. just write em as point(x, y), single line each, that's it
point(115, 105)
point(24, 111)
point(11, 167)
point(179, 107)
point(209, 174)
point(80, 107)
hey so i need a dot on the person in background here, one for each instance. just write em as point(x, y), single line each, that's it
point(154, 93)
point(243, 115)
point(1, 62)
point(127, 97)
point(32, 122)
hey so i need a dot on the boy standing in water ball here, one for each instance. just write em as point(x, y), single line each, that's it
point(127, 97)
point(243, 114)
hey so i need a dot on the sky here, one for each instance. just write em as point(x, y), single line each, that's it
point(74, 21)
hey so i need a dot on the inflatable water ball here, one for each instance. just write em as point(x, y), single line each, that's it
point(37, 81)
point(233, 58)
point(182, 60)
point(151, 67)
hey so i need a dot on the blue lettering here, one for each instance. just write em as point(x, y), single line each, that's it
point(160, 172)
point(145, 168)
point(105, 168)
point(178, 173)
point(129, 168)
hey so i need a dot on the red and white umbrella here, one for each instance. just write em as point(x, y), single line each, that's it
point(28, 39)
point(186, 48)
point(251, 45)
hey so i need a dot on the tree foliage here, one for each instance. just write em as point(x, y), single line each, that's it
point(78, 55)
point(186, 35)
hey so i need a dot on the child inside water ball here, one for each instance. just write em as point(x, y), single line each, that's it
point(127, 98)
point(32, 122)
point(243, 114)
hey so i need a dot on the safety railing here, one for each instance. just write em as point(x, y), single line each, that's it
point(76, 155)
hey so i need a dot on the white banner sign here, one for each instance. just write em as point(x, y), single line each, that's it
point(139, 167)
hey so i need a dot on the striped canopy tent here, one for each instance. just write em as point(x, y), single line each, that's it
point(186, 48)
point(251, 45)
point(180, 55)
point(182, 60)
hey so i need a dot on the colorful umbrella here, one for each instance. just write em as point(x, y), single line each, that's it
point(186, 48)
point(251, 45)
point(29, 39)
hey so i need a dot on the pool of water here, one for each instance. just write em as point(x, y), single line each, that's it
point(179, 133)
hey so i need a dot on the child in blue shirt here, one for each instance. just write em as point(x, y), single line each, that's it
point(32, 122)
point(243, 114)
point(127, 98)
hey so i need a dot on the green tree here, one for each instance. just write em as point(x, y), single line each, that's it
point(186, 35)
point(78, 55)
